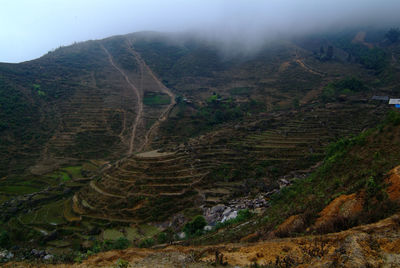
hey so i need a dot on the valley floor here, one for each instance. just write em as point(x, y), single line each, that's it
point(373, 245)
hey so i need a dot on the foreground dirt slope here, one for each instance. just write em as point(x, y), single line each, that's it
point(373, 245)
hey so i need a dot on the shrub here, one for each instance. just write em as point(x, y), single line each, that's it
point(162, 238)
point(146, 243)
point(393, 118)
point(121, 264)
point(393, 35)
point(121, 243)
point(195, 227)
point(4, 239)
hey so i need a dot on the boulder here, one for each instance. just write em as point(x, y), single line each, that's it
point(208, 228)
point(48, 257)
point(232, 215)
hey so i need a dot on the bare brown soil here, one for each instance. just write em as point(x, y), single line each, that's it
point(370, 245)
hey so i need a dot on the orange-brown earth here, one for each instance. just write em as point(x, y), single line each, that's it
point(370, 245)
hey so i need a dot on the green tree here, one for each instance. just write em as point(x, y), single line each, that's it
point(195, 226)
point(393, 35)
point(4, 239)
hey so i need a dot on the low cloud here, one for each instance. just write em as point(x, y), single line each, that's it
point(29, 29)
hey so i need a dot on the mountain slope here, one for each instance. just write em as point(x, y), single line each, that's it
point(132, 136)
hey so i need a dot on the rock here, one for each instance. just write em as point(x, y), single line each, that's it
point(208, 228)
point(232, 215)
point(48, 257)
point(182, 235)
point(218, 209)
point(35, 252)
point(227, 211)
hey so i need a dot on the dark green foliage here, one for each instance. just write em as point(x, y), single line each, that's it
point(5, 241)
point(371, 58)
point(167, 236)
point(345, 86)
point(329, 52)
point(218, 111)
point(195, 227)
point(146, 243)
point(393, 35)
point(121, 243)
point(393, 118)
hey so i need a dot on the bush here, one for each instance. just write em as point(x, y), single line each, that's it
point(121, 264)
point(146, 243)
point(4, 239)
point(393, 35)
point(393, 118)
point(195, 227)
point(121, 243)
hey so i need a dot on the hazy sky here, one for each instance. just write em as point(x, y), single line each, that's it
point(30, 28)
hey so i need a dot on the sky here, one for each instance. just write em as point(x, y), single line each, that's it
point(31, 28)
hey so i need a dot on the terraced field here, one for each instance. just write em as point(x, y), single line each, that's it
point(154, 185)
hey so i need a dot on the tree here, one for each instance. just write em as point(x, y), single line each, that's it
point(329, 52)
point(195, 226)
point(393, 35)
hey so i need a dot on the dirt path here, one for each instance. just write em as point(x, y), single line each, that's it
point(139, 106)
point(162, 88)
point(305, 67)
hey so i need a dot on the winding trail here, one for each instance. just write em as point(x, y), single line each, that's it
point(300, 62)
point(163, 88)
point(139, 106)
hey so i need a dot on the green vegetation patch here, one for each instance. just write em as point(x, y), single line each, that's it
point(49, 214)
point(18, 189)
point(347, 86)
point(75, 172)
point(112, 234)
point(155, 98)
point(240, 91)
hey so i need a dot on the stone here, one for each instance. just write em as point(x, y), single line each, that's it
point(182, 235)
point(217, 209)
point(208, 228)
point(232, 215)
point(6, 255)
point(48, 257)
point(227, 211)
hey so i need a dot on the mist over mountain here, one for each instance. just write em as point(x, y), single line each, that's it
point(211, 133)
point(30, 29)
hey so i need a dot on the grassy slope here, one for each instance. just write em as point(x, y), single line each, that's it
point(354, 165)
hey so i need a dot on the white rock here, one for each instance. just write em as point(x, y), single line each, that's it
point(48, 257)
point(207, 228)
point(181, 235)
point(232, 215)
point(227, 211)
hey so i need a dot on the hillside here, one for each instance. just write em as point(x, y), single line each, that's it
point(124, 141)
